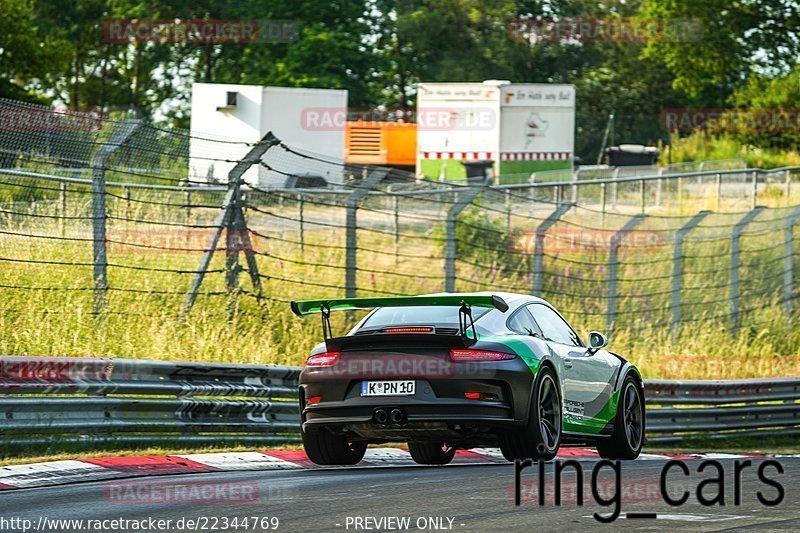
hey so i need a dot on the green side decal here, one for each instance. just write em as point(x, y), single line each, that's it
point(596, 423)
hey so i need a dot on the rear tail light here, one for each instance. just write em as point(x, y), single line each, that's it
point(478, 355)
point(323, 359)
point(313, 400)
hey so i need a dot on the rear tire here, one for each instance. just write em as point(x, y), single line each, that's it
point(541, 438)
point(628, 437)
point(427, 453)
point(324, 448)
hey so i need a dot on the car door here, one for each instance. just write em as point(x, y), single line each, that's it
point(588, 379)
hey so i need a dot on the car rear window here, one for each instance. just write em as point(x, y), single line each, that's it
point(418, 315)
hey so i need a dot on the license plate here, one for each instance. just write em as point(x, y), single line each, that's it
point(387, 388)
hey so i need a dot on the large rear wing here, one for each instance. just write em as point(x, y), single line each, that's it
point(307, 307)
point(464, 302)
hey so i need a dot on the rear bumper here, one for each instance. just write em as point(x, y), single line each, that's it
point(439, 405)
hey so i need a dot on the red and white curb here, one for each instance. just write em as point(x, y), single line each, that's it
point(105, 468)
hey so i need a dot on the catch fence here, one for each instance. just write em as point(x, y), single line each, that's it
point(112, 221)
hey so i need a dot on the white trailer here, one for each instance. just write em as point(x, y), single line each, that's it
point(522, 127)
point(309, 120)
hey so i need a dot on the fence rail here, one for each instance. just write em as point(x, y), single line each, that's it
point(76, 399)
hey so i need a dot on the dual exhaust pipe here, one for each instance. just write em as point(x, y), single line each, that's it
point(389, 416)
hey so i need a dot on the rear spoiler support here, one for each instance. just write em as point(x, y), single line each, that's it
point(325, 314)
point(464, 315)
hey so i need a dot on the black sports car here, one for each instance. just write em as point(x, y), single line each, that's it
point(457, 371)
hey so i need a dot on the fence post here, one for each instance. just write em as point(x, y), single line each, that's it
point(188, 203)
point(734, 275)
point(642, 192)
point(396, 228)
point(754, 192)
point(575, 193)
point(787, 187)
point(450, 234)
point(614, 189)
point(127, 202)
point(98, 166)
point(300, 208)
point(680, 194)
point(603, 204)
point(677, 264)
point(538, 250)
point(613, 268)
point(353, 201)
point(788, 258)
point(63, 197)
point(508, 211)
point(232, 216)
point(659, 186)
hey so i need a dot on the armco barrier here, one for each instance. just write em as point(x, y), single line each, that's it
point(49, 399)
point(77, 399)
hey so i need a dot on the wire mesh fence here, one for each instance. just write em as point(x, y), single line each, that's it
point(106, 220)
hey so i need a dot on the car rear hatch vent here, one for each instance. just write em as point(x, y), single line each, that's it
point(447, 331)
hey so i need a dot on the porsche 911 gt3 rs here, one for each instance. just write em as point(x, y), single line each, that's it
point(457, 371)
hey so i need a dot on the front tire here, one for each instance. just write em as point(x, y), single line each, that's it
point(628, 437)
point(426, 453)
point(325, 448)
point(541, 438)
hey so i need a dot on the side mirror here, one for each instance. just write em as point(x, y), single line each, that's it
point(597, 341)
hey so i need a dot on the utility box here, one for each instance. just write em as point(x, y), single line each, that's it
point(523, 127)
point(307, 120)
point(388, 144)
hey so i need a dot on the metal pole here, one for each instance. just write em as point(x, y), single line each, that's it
point(677, 264)
point(63, 197)
point(300, 206)
point(575, 193)
point(613, 268)
point(450, 235)
point(188, 205)
point(788, 258)
point(227, 216)
point(642, 193)
point(754, 192)
point(734, 275)
point(719, 190)
point(98, 166)
point(680, 194)
point(787, 187)
point(508, 211)
point(351, 236)
point(603, 204)
point(127, 202)
point(538, 262)
point(396, 228)
point(659, 186)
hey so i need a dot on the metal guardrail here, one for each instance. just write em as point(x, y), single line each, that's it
point(71, 399)
point(677, 410)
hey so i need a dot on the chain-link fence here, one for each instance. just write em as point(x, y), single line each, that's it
point(106, 218)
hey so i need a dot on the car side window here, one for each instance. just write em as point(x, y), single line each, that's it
point(522, 322)
point(553, 327)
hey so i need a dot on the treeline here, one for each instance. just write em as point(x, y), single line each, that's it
point(699, 54)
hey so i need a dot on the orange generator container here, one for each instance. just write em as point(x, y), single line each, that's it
point(389, 144)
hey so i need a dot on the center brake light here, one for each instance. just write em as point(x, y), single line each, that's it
point(323, 359)
point(478, 355)
point(409, 329)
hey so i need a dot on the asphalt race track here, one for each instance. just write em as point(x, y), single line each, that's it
point(456, 497)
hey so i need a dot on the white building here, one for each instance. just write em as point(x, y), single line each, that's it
point(308, 120)
point(522, 127)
